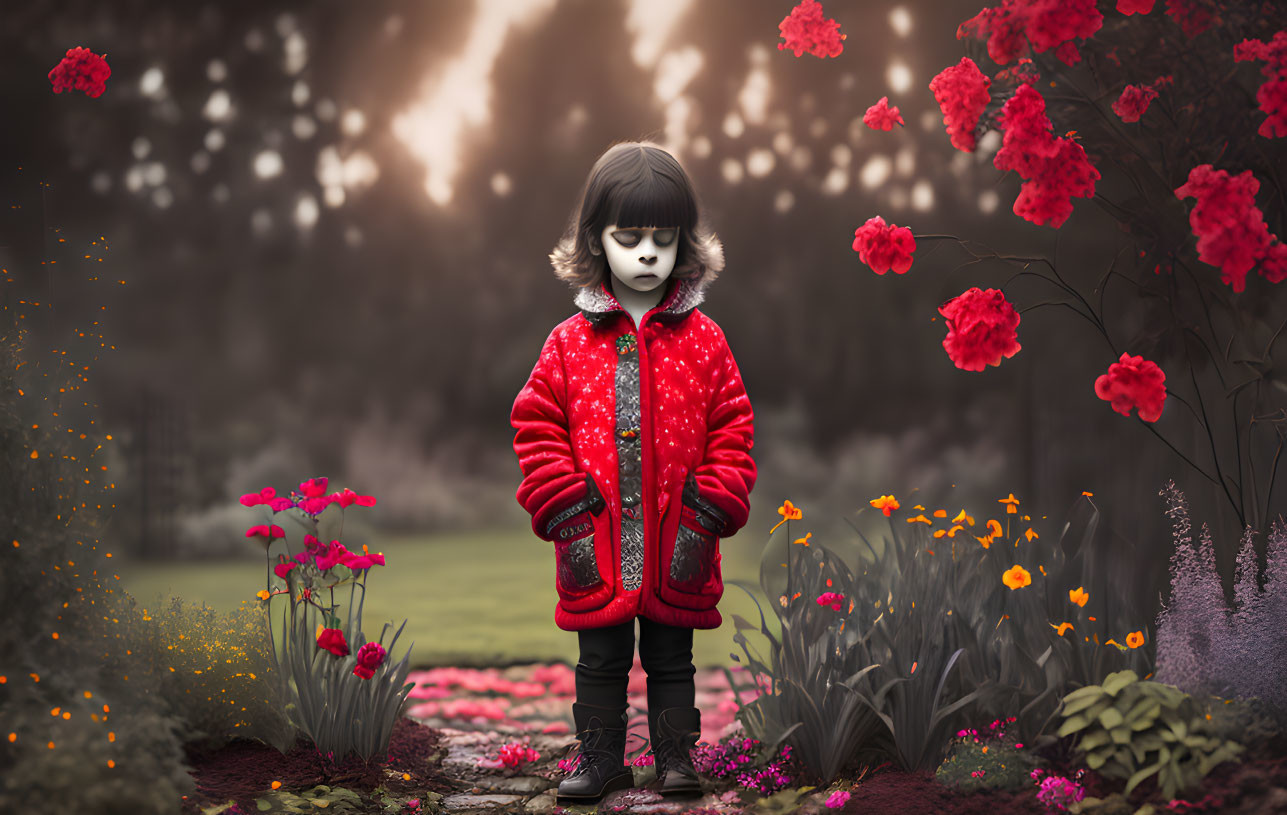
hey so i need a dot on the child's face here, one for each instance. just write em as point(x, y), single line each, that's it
point(641, 258)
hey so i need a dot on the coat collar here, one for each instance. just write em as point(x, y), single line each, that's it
point(599, 305)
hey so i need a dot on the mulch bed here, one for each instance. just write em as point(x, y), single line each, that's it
point(244, 770)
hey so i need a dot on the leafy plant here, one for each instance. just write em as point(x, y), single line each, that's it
point(972, 766)
point(1133, 729)
point(330, 799)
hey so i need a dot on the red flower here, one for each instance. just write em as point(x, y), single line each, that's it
point(369, 657)
point(884, 247)
point(981, 329)
point(347, 497)
point(1193, 16)
point(283, 569)
point(1055, 169)
point(332, 639)
point(1045, 23)
point(81, 70)
point(1129, 7)
point(1133, 382)
point(364, 561)
point(1021, 72)
point(961, 91)
point(804, 29)
point(1130, 106)
point(313, 487)
point(1274, 264)
point(254, 499)
point(1231, 230)
point(333, 553)
point(881, 116)
point(1272, 95)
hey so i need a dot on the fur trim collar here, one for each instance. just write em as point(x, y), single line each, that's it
point(599, 305)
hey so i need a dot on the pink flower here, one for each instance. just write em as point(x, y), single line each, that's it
point(837, 799)
point(332, 639)
point(82, 70)
point(369, 657)
point(254, 499)
point(961, 91)
point(268, 533)
point(313, 487)
point(1134, 382)
point(314, 505)
point(830, 598)
point(1193, 16)
point(347, 497)
point(881, 116)
point(804, 29)
point(884, 247)
point(364, 561)
point(333, 554)
point(283, 569)
point(981, 329)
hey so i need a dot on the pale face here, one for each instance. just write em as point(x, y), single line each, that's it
point(641, 258)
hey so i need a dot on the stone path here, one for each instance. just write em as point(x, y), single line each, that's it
point(478, 711)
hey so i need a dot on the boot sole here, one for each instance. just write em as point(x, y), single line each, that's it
point(621, 782)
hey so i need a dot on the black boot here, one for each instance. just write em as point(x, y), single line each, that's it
point(601, 767)
point(674, 733)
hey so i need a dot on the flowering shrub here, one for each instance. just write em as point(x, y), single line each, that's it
point(1056, 791)
point(737, 758)
point(805, 29)
point(339, 689)
point(991, 760)
point(82, 70)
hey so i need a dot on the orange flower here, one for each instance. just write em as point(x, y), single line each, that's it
point(789, 513)
point(940, 513)
point(1078, 596)
point(986, 540)
point(1135, 639)
point(262, 594)
point(885, 503)
point(961, 516)
point(1010, 504)
point(1016, 577)
point(951, 533)
point(994, 528)
point(1061, 628)
point(1030, 534)
point(805, 539)
point(920, 519)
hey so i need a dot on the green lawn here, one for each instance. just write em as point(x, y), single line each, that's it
point(476, 599)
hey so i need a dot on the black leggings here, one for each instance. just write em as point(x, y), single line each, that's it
point(607, 654)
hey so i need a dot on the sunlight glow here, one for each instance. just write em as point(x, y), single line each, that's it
point(268, 164)
point(651, 22)
point(836, 182)
point(783, 201)
point(875, 171)
point(218, 107)
point(897, 197)
point(152, 83)
point(922, 196)
point(458, 99)
point(733, 125)
point(988, 201)
point(899, 77)
point(674, 71)
point(306, 212)
point(900, 19)
point(731, 169)
point(754, 96)
point(759, 162)
point(501, 185)
point(905, 161)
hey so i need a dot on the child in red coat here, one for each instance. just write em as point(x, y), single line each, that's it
point(634, 434)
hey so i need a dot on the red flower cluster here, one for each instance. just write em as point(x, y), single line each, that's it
point(332, 639)
point(1272, 95)
point(981, 328)
point(884, 247)
point(1193, 16)
point(881, 116)
point(1044, 23)
point(961, 91)
point(831, 598)
point(369, 657)
point(1021, 72)
point(1054, 169)
point(1231, 230)
point(1135, 99)
point(1133, 382)
point(804, 29)
point(81, 70)
point(312, 499)
point(1129, 7)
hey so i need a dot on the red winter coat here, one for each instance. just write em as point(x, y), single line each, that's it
point(636, 459)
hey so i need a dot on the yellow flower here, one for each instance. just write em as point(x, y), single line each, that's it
point(263, 594)
point(1016, 577)
point(1030, 534)
point(805, 539)
point(1078, 596)
point(1061, 628)
point(885, 503)
point(920, 519)
point(1010, 504)
point(961, 516)
point(1135, 639)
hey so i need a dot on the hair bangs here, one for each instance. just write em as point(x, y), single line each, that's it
point(653, 199)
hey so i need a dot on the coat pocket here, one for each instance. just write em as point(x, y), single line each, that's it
point(689, 562)
point(580, 534)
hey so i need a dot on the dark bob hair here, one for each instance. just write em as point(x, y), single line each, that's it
point(636, 184)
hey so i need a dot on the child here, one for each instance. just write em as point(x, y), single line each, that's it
point(634, 435)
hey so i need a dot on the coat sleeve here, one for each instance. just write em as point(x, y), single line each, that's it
point(543, 442)
point(726, 475)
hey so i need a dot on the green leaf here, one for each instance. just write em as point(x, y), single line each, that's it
point(1121, 735)
point(1083, 701)
point(1072, 725)
point(263, 805)
point(1111, 718)
point(1116, 681)
point(1092, 740)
